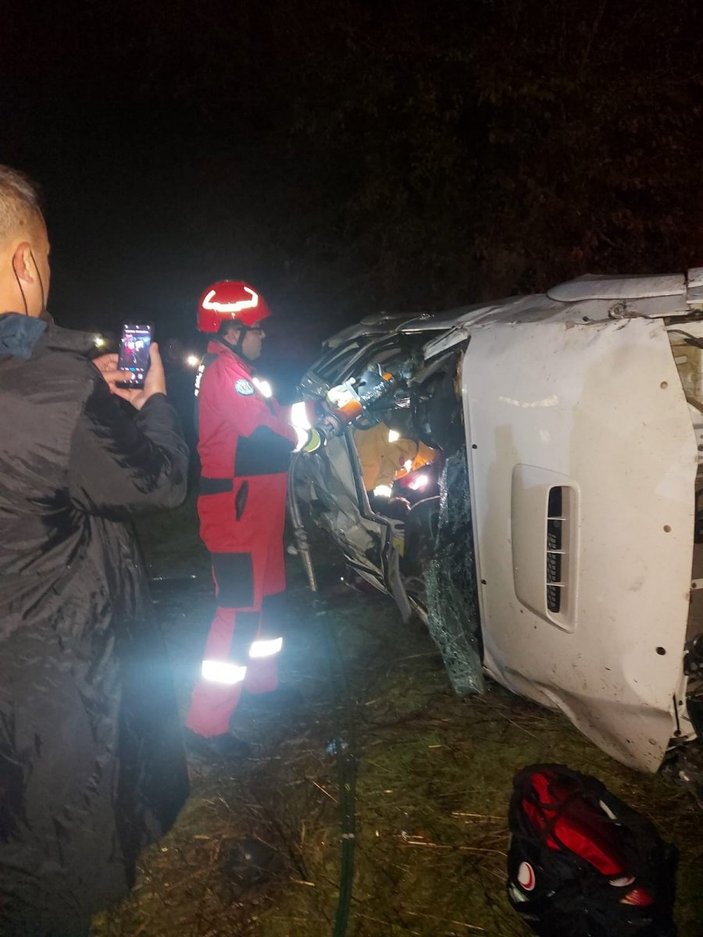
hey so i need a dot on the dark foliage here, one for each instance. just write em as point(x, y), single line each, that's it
point(350, 156)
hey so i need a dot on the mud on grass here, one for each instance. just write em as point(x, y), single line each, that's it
point(257, 852)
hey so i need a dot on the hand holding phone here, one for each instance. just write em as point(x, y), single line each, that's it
point(134, 354)
point(154, 382)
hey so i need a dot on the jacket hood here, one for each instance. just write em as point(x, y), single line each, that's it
point(20, 337)
point(19, 334)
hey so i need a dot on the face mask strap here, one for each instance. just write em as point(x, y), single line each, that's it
point(43, 313)
point(19, 287)
point(41, 286)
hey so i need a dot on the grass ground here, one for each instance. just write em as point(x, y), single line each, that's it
point(373, 777)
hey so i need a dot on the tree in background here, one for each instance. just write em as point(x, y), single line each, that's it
point(351, 156)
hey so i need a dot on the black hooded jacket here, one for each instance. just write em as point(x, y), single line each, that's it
point(91, 760)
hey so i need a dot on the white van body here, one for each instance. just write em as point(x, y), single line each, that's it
point(583, 420)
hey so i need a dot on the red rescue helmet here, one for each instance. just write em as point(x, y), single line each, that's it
point(230, 300)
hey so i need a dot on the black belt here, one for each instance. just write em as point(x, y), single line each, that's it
point(215, 486)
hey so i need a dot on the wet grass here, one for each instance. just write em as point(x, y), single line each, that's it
point(371, 728)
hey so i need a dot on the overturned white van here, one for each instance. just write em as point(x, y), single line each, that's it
point(578, 417)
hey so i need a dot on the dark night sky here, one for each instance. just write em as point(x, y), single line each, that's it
point(146, 126)
point(351, 156)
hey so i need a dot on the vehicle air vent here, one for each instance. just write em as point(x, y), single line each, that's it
point(556, 550)
point(544, 516)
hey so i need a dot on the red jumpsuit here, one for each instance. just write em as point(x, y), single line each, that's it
point(244, 444)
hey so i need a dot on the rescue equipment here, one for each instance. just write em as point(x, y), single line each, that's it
point(583, 863)
point(346, 402)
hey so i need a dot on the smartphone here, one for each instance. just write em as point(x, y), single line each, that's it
point(134, 353)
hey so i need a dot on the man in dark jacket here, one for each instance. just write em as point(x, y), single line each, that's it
point(91, 760)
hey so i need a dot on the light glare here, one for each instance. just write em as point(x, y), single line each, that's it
point(299, 416)
point(263, 387)
point(300, 421)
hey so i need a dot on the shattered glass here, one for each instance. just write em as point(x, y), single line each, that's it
point(452, 601)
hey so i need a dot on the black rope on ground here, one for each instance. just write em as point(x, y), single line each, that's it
point(346, 754)
point(347, 762)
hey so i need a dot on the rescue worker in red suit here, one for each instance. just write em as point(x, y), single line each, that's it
point(245, 444)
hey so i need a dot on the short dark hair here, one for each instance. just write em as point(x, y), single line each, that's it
point(20, 201)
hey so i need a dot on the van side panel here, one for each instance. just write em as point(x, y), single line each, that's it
point(583, 462)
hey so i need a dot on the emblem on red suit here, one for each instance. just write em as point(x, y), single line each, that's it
point(244, 387)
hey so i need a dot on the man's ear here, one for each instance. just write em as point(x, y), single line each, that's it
point(23, 262)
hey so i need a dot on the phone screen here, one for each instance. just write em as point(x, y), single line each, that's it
point(134, 353)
